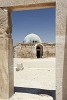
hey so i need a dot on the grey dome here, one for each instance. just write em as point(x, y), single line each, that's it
point(32, 38)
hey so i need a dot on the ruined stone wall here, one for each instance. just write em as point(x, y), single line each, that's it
point(49, 51)
point(61, 44)
point(23, 51)
point(29, 51)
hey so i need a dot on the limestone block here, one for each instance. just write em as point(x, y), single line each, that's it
point(7, 3)
point(6, 57)
point(5, 21)
point(61, 54)
point(6, 68)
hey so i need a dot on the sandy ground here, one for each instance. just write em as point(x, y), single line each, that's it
point(38, 74)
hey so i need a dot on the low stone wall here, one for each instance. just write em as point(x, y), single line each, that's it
point(29, 50)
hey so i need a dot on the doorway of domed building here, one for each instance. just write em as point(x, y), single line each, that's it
point(39, 51)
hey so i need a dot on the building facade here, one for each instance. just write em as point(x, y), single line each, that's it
point(32, 47)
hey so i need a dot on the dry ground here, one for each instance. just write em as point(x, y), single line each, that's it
point(37, 74)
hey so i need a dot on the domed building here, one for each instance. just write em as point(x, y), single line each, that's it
point(32, 38)
point(32, 47)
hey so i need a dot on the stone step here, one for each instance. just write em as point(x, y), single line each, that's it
point(26, 96)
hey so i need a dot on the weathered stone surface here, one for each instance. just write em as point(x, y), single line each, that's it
point(5, 53)
point(22, 50)
point(7, 3)
point(65, 67)
point(5, 21)
point(6, 56)
point(61, 54)
point(6, 68)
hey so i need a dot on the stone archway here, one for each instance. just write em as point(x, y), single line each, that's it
point(39, 51)
point(6, 52)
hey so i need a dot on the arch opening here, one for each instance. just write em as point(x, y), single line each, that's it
point(39, 51)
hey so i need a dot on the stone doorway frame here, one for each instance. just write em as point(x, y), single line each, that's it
point(41, 50)
point(6, 45)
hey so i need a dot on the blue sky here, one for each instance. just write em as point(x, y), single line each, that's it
point(40, 22)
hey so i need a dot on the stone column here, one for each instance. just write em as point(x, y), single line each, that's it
point(61, 50)
point(6, 56)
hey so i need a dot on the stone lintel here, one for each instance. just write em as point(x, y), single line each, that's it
point(10, 3)
point(61, 53)
point(32, 6)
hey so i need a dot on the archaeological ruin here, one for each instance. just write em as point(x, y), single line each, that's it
point(32, 47)
point(6, 43)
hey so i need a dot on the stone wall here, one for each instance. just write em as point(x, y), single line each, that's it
point(6, 56)
point(29, 50)
point(61, 49)
point(49, 50)
point(61, 44)
point(13, 3)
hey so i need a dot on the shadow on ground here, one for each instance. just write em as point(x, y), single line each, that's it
point(36, 91)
